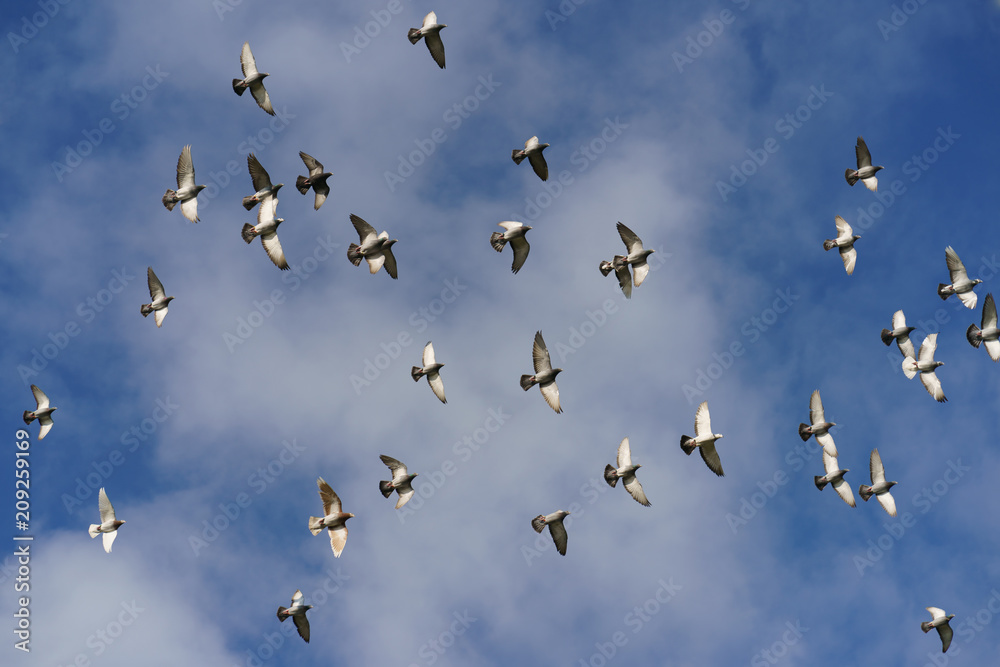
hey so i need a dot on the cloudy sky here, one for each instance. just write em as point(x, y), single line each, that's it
point(719, 133)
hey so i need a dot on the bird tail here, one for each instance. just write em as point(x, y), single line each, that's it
point(820, 482)
point(829, 244)
point(804, 432)
point(95, 530)
point(249, 202)
point(909, 367)
point(170, 199)
point(610, 476)
point(315, 525)
point(973, 334)
point(353, 254)
point(606, 267)
point(538, 523)
point(414, 35)
point(688, 444)
point(887, 337)
point(517, 155)
point(281, 614)
point(852, 176)
point(416, 372)
point(146, 309)
point(866, 492)
point(301, 184)
point(28, 417)
point(925, 626)
point(497, 241)
point(248, 233)
point(944, 291)
point(527, 382)
point(385, 488)
point(237, 88)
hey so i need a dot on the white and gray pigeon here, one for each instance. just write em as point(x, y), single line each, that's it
point(42, 412)
point(622, 273)
point(261, 183)
point(941, 623)
point(989, 334)
point(187, 191)
point(533, 151)
point(960, 282)
point(820, 426)
point(253, 80)
point(879, 487)
point(109, 524)
point(514, 235)
point(430, 369)
point(704, 440)
point(159, 298)
point(925, 365)
point(545, 375)
point(267, 229)
point(556, 528)
point(865, 171)
point(835, 477)
point(315, 180)
point(845, 241)
point(297, 612)
point(431, 33)
point(334, 519)
point(401, 481)
point(375, 248)
point(636, 256)
point(901, 334)
point(625, 471)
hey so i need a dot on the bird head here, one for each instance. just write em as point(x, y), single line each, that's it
point(389, 243)
point(278, 221)
point(556, 371)
point(938, 363)
point(976, 281)
point(891, 484)
point(542, 147)
point(198, 188)
point(119, 523)
point(263, 74)
point(856, 237)
point(168, 299)
point(717, 436)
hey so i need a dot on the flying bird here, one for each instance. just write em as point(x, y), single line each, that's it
point(925, 365)
point(430, 369)
point(865, 171)
point(43, 412)
point(901, 333)
point(533, 151)
point(109, 524)
point(626, 472)
point(159, 298)
point(845, 241)
point(514, 235)
point(253, 80)
point(334, 519)
point(556, 528)
point(267, 229)
point(835, 476)
point(376, 249)
point(316, 180)
point(545, 375)
point(879, 487)
point(431, 32)
point(636, 258)
point(261, 183)
point(400, 482)
point(187, 191)
point(298, 614)
point(704, 440)
point(820, 426)
point(960, 283)
point(940, 621)
point(989, 333)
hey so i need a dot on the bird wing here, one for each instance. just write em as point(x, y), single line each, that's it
point(906, 346)
point(876, 468)
point(624, 454)
point(933, 386)
point(260, 94)
point(189, 208)
point(331, 501)
point(558, 531)
point(312, 164)
point(259, 176)
point(297, 598)
point(390, 263)
point(634, 488)
point(268, 209)
point(887, 502)
point(160, 315)
point(537, 161)
point(898, 320)
point(550, 392)
point(826, 442)
point(395, 466)
point(830, 464)
point(989, 312)
point(338, 539)
point(968, 299)
point(843, 228)
point(816, 414)
point(107, 511)
point(623, 275)
point(365, 231)
point(40, 398)
point(405, 493)
point(711, 458)
point(533, 141)
point(702, 421)
point(428, 358)
point(437, 385)
point(955, 266)
point(109, 539)
point(540, 354)
point(629, 238)
point(156, 290)
point(850, 256)
point(302, 625)
point(862, 153)
point(946, 634)
point(247, 61)
point(519, 245)
point(375, 262)
point(430, 19)
point(434, 44)
point(927, 348)
point(936, 613)
point(272, 246)
point(510, 225)
point(843, 490)
point(185, 169)
point(640, 270)
point(45, 423)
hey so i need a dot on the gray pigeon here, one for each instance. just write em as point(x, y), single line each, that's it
point(267, 229)
point(431, 32)
point(625, 471)
point(514, 235)
point(545, 375)
point(187, 191)
point(820, 426)
point(835, 476)
point(533, 151)
point(253, 80)
point(845, 241)
point(879, 486)
point(620, 267)
point(297, 612)
point(556, 528)
point(261, 183)
point(940, 621)
point(334, 519)
point(704, 440)
point(960, 283)
point(901, 333)
point(109, 523)
point(865, 171)
point(42, 412)
point(375, 248)
point(430, 369)
point(925, 365)
point(636, 254)
point(989, 334)
point(316, 180)
point(400, 482)
point(159, 297)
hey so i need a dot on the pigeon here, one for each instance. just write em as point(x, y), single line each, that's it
point(377, 249)
point(430, 369)
point(253, 80)
point(865, 171)
point(989, 334)
point(533, 151)
point(267, 229)
point(431, 32)
point(160, 300)
point(925, 365)
point(545, 375)
point(835, 476)
point(518, 244)
point(109, 524)
point(316, 180)
point(333, 520)
point(187, 191)
point(940, 621)
point(820, 426)
point(845, 241)
point(620, 267)
point(960, 283)
point(400, 482)
point(556, 528)
point(636, 256)
point(704, 440)
point(626, 472)
point(298, 613)
point(901, 333)
point(879, 486)
point(261, 183)
point(43, 413)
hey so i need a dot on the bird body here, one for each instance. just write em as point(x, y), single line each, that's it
point(545, 375)
point(533, 151)
point(315, 180)
point(940, 622)
point(879, 487)
point(430, 370)
point(187, 191)
point(334, 519)
point(845, 242)
point(252, 79)
point(925, 365)
point(430, 31)
point(704, 440)
point(401, 481)
point(159, 298)
point(109, 523)
point(635, 257)
point(513, 234)
point(835, 477)
point(901, 334)
point(556, 528)
point(625, 471)
point(865, 171)
point(961, 284)
point(297, 612)
point(989, 333)
point(376, 249)
point(42, 412)
point(819, 426)
point(267, 229)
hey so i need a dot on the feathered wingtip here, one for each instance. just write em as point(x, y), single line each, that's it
point(829, 244)
point(281, 614)
point(28, 417)
point(237, 88)
point(687, 444)
point(385, 488)
point(972, 333)
point(249, 202)
point(315, 525)
point(925, 626)
point(804, 432)
point(414, 35)
point(610, 475)
point(866, 492)
point(247, 233)
point(353, 254)
point(301, 184)
point(909, 368)
point(852, 176)
point(538, 523)
point(170, 199)
point(527, 382)
point(497, 241)
point(944, 291)
point(819, 482)
point(415, 373)
point(887, 337)
point(94, 530)
point(517, 156)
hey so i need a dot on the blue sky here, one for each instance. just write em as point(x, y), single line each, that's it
point(719, 133)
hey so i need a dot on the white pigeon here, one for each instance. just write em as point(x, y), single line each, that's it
point(989, 333)
point(430, 369)
point(925, 365)
point(533, 151)
point(315, 180)
point(556, 528)
point(545, 375)
point(297, 612)
point(820, 426)
point(941, 622)
point(901, 333)
point(865, 171)
point(375, 248)
point(879, 486)
point(159, 297)
point(109, 524)
point(621, 268)
point(960, 283)
point(401, 481)
point(845, 241)
point(626, 472)
point(42, 412)
point(267, 229)
point(835, 476)
point(431, 32)
point(261, 183)
point(187, 191)
point(704, 440)
point(253, 80)
point(334, 519)
point(514, 235)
